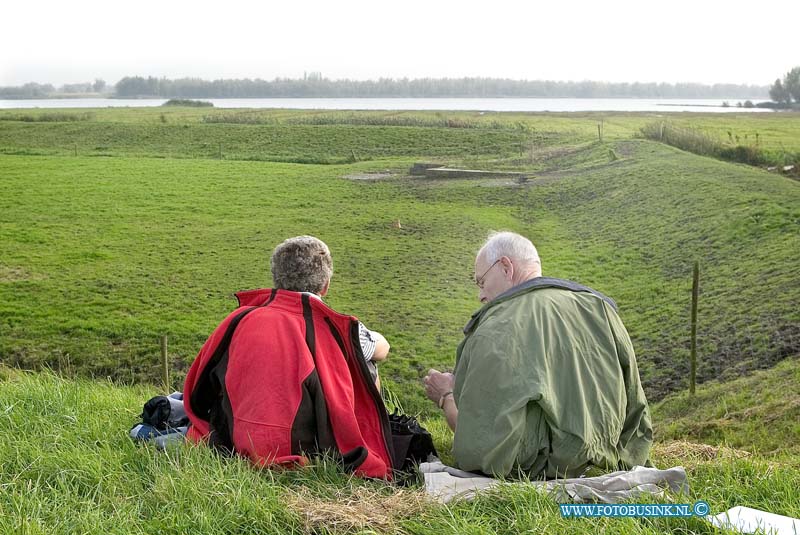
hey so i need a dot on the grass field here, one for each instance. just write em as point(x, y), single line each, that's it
point(277, 143)
point(118, 131)
point(100, 256)
point(123, 225)
point(67, 466)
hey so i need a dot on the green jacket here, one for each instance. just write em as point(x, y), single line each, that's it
point(546, 382)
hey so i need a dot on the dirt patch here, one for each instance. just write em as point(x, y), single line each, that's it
point(625, 148)
point(548, 177)
point(384, 175)
point(550, 153)
point(17, 274)
point(506, 183)
point(738, 351)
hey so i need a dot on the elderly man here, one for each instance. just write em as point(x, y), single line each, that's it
point(284, 377)
point(545, 382)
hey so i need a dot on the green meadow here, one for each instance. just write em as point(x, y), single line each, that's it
point(118, 226)
point(68, 467)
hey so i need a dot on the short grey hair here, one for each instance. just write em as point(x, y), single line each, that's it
point(301, 264)
point(510, 244)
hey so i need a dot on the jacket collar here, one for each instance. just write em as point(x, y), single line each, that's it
point(529, 286)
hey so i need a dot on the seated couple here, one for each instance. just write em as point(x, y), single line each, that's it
point(545, 382)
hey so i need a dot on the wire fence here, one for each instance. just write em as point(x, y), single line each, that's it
point(740, 329)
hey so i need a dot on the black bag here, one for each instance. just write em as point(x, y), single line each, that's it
point(163, 412)
point(412, 443)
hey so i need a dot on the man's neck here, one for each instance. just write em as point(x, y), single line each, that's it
point(516, 287)
point(527, 275)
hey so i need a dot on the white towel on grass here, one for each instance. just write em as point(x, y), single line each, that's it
point(747, 520)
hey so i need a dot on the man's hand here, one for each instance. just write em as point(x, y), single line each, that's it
point(437, 384)
point(439, 389)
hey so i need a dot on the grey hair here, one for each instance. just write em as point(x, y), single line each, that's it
point(301, 264)
point(509, 244)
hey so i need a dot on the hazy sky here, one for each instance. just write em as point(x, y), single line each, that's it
point(703, 41)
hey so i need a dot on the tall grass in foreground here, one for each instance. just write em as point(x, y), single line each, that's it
point(700, 142)
point(67, 466)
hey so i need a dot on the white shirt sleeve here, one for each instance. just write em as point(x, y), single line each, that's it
point(367, 341)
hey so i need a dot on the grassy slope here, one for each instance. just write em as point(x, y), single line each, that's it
point(67, 466)
point(122, 250)
point(300, 144)
point(645, 218)
point(760, 412)
point(777, 131)
point(101, 256)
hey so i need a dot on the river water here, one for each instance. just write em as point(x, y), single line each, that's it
point(464, 104)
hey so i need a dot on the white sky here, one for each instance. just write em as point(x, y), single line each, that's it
point(705, 41)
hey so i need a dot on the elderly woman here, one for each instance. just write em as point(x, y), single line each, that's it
point(284, 377)
point(304, 264)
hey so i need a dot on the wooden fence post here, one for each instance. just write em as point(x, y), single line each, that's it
point(165, 364)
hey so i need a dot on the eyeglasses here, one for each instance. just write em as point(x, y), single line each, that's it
point(479, 280)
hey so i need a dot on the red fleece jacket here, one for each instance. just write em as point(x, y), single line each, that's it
point(286, 379)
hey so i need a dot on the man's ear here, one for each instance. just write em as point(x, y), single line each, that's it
point(324, 291)
point(508, 267)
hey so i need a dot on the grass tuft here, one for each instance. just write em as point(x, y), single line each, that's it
point(365, 508)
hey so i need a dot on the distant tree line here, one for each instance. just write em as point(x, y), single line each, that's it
point(315, 85)
point(34, 90)
point(318, 86)
point(87, 87)
point(783, 91)
point(29, 90)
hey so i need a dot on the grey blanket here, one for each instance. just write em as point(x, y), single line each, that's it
point(446, 483)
